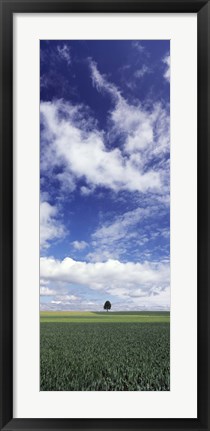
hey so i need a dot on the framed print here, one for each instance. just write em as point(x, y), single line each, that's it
point(126, 214)
point(104, 215)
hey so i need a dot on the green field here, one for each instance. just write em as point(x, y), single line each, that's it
point(115, 351)
point(103, 317)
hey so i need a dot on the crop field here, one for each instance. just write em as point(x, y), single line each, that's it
point(105, 351)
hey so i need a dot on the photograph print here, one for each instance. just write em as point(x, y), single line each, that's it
point(105, 215)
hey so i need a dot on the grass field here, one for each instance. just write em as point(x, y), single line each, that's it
point(115, 351)
point(104, 317)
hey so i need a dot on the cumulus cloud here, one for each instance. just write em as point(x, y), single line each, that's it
point(112, 276)
point(146, 133)
point(50, 228)
point(72, 141)
point(83, 152)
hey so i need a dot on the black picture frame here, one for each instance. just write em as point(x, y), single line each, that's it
point(8, 8)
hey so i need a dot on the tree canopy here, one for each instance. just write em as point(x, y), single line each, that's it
point(107, 305)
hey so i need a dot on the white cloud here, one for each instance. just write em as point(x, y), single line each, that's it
point(64, 53)
point(120, 235)
point(73, 305)
point(46, 291)
point(114, 277)
point(72, 141)
point(65, 300)
point(66, 180)
point(79, 245)
point(83, 152)
point(50, 228)
point(143, 135)
point(138, 46)
point(166, 61)
point(117, 229)
point(141, 72)
point(146, 132)
point(157, 301)
point(57, 290)
point(85, 191)
point(44, 282)
point(133, 303)
point(100, 82)
point(110, 240)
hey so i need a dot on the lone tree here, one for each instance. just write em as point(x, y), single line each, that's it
point(107, 306)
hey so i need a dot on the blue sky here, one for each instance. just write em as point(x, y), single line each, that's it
point(105, 174)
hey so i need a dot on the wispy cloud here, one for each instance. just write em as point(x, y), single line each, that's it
point(166, 61)
point(79, 245)
point(127, 233)
point(101, 83)
point(64, 53)
point(145, 131)
point(110, 239)
point(138, 46)
point(142, 71)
